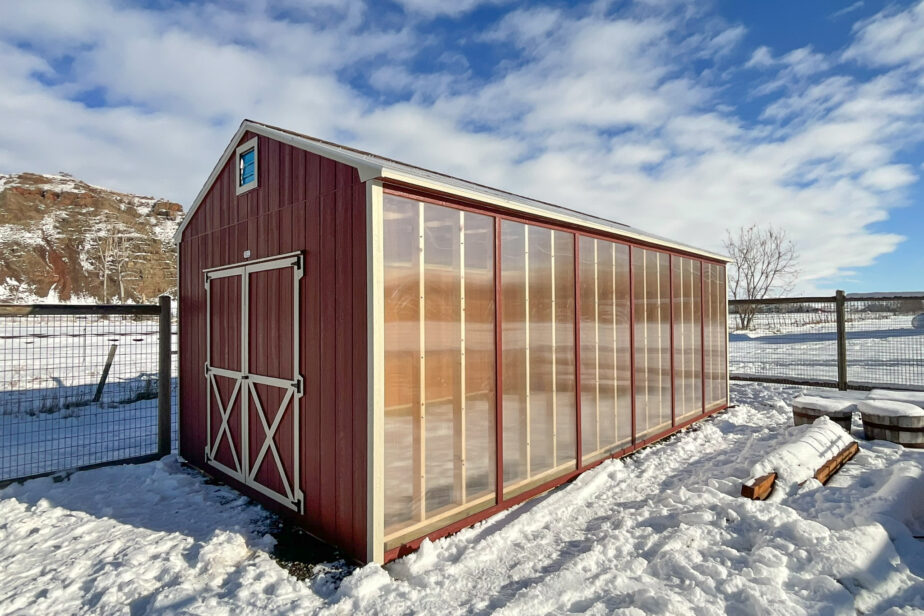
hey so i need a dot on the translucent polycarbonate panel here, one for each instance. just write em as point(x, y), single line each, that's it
point(606, 408)
point(403, 443)
point(681, 383)
point(590, 384)
point(665, 381)
point(622, 296)
point(687, 338)
point(696, 325)
point(651, 295)
point(709, 334)
point(606, 404)
point(665, 395)
point(541, 351)
point(653, 318)
point(565, 378)
point(721, 293)
point(514, 342)
point(715, 335)
point(443, 334)
point(718, 393)
point(640, 325)
point(439, 363)
point(480, 353)
point(538, 352)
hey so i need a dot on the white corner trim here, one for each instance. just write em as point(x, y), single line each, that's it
point(375, 374)
point(241, 149)
point(179, 351)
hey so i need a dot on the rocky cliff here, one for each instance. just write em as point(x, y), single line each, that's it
point(64, 240)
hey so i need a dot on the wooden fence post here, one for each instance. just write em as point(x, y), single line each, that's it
point(164, 378)
point(841, 341)
point(102, 379)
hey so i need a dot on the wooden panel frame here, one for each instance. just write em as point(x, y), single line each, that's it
point(673, 425)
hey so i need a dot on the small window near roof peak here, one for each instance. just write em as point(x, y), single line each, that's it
point(247, 166)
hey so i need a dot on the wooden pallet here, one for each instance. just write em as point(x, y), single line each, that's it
point(759, 488)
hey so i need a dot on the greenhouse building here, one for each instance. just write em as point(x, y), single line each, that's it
point(383, 353)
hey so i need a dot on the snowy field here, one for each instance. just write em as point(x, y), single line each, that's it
point(882, 350)
point(661, 532)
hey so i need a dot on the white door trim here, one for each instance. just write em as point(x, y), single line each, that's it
point(245, 388)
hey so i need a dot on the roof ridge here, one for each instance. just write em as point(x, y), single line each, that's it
point(377, 157)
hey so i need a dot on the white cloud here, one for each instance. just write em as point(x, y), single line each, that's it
point(525, 27)
point(890, 38)
point(724, 42)
point(888, 177)
point(762, 57)
point(598, 110)
point(449, 8)
point(812, 101)
point(856, 6)
point(792, 68)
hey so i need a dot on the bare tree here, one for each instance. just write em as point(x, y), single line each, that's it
point(112, 249)
point(119, 261)
point(102, 256)
point(764, 264)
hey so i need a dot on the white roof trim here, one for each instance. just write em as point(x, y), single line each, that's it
point(372, 167)
point(541, 209)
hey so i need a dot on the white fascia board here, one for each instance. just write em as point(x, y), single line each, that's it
point(367, 170)
point(524, 206)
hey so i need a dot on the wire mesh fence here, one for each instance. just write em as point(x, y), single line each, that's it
point(884, 348)
point(850, 342)
point(80, 386)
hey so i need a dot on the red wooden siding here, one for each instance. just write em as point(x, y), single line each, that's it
point(302, 203)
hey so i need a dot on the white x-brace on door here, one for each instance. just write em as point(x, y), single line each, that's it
point(252, 375)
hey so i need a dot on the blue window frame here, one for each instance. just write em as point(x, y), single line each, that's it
point(248, 167)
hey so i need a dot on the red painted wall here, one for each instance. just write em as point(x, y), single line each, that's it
point(316, 205)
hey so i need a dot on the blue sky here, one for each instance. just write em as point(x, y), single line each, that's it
point(680, 117)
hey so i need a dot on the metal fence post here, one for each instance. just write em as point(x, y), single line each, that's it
point(841, 341)
point(163, 379)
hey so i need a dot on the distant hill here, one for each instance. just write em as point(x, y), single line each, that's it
point(62, 239)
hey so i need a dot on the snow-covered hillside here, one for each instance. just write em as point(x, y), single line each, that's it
point(66, 240)
point(662, 532)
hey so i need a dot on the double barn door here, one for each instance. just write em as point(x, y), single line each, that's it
point(252, 375)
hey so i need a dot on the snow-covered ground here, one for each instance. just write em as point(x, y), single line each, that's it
point(661, 532)
point(881, 349)
point(50, 368)
point(47, 362)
